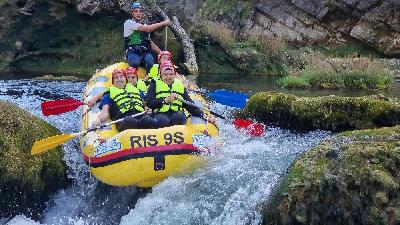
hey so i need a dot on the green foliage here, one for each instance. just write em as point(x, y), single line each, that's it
point(320, 78)
point(293, 82)
point(360, 73)
point(58, 40)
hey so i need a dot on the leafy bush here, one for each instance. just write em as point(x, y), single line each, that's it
point(293, 82)
point(349, 73)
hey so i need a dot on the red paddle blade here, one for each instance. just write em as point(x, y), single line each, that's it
point(241, 123)
point(254, 129)
point(56, 107)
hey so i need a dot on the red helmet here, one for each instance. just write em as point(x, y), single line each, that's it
point(116, 72)
point(167, 65)
point(165, 53)
point(130, 70)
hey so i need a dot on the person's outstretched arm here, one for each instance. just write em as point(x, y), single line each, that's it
point(155, 48)
point(154, 26)
point(95, 99)
point(103, 116)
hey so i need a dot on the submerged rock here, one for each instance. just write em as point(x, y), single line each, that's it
point(26, 181)
point(352, 178)
point(332, 113)
point(51, 78)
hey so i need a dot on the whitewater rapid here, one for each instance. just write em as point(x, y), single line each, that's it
point(241, 173)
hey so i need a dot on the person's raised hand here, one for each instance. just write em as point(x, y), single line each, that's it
point(167, 22)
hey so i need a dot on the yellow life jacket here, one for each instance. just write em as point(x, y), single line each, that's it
point(163, 90)
point(141, 86)
point(154, 71)
point(126, 98)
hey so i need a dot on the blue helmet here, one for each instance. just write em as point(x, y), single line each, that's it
point(136, 5)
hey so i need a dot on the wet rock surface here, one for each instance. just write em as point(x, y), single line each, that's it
point(351, 178)
point(26, 181)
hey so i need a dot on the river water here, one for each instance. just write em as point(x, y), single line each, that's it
point(241, 173)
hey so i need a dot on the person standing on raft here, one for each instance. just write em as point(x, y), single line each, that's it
point(138, 44)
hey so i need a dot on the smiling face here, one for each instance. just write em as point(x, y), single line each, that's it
point(167, 75)
point(137, 14)
point(119, 80)
point(131, 78)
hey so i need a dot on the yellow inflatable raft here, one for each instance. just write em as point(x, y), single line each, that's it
point(141, 157)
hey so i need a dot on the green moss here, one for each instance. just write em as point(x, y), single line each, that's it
point(26, 181)
point(384, 179)
point(326, 112)
point(380, 198)
point(376, 133)
point(342, 180)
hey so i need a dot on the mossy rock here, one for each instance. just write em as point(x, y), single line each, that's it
point(333, 113)
point(351, 178)
point(26, 181)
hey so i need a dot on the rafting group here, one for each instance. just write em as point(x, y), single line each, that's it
point(161, 125)
point(159, 94)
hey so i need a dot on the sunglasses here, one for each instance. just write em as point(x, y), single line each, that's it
point(137, 10)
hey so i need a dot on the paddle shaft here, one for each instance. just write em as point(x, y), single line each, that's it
point(112, 122)
point(54, 141)
point(166, 38)
point(202, 108)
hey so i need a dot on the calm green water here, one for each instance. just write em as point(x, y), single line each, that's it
point(252, 84)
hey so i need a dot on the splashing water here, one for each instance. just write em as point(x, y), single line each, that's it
point(241, 173)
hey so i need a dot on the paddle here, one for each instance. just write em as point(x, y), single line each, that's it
point(252, 128)
point(201, 108)
point(51, 142)
point(225, 97)
point(56, 107)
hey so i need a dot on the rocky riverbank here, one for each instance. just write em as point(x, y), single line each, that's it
point(79, 37)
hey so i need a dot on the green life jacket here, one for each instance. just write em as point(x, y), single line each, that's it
point(127, 98)
point(163, 90)
point(154, 71)
point(139, 38)
point(141, 86)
